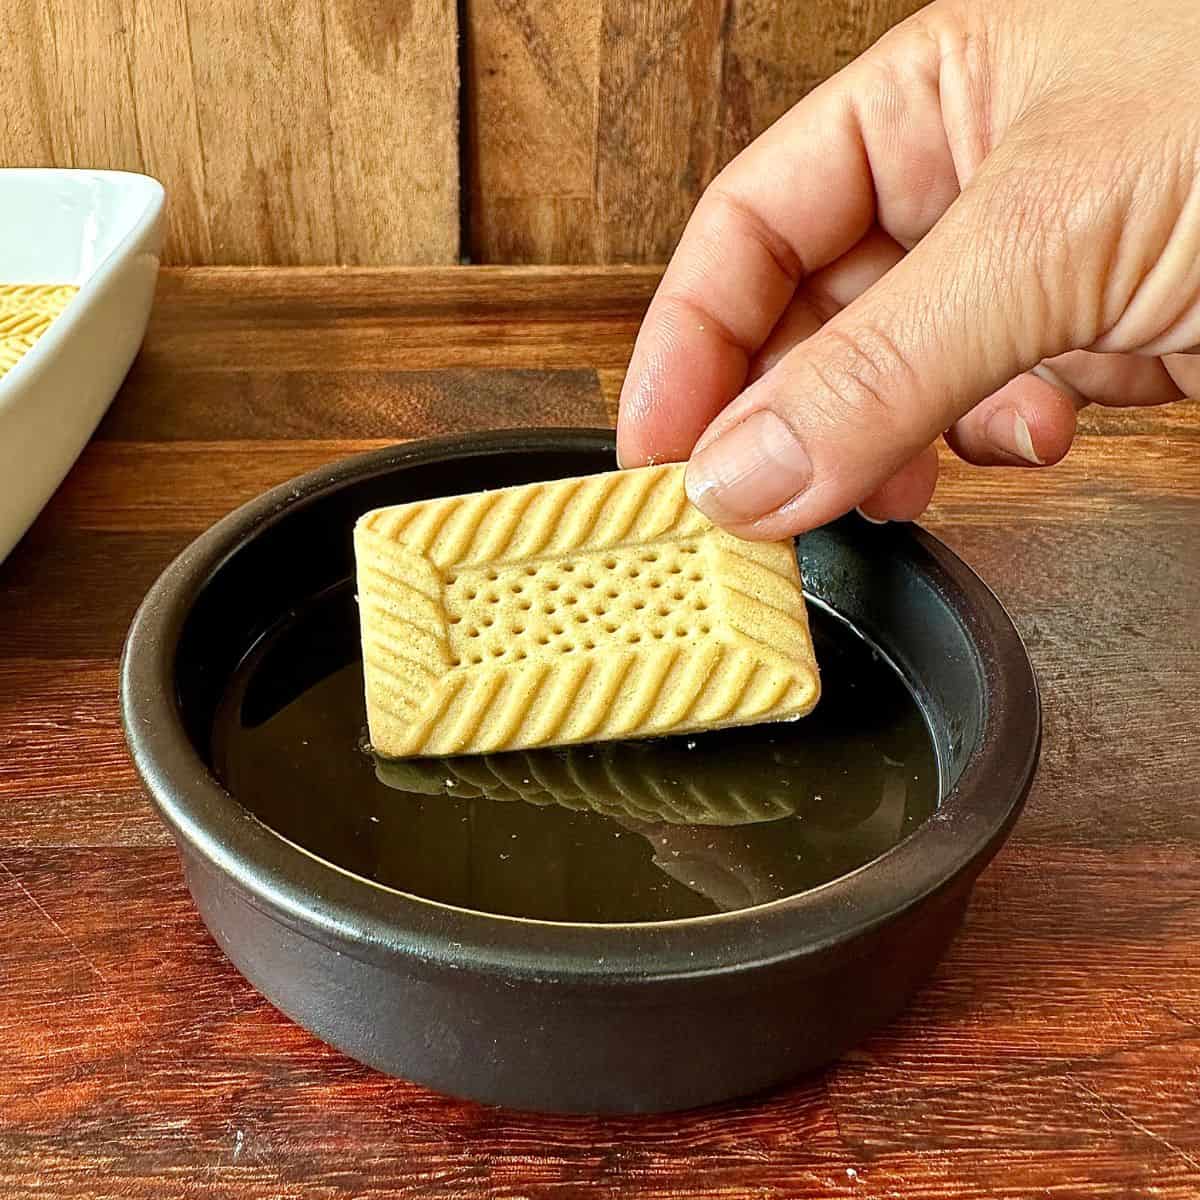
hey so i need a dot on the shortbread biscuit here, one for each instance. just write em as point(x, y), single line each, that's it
point(613, 780)
point(26, 312)
point(569, 611)
point(50, 298)
point(13, 349)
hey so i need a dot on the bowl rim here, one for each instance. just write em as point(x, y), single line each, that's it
point(377, 923)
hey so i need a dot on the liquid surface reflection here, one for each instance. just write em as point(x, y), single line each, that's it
point(619, 832)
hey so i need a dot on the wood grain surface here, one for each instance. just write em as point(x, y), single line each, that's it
point(285, 131)
point(327, 131)
point(1057, 1050)
point(594, 125)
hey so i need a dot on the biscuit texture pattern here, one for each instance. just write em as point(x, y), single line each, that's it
point(575, 610)
point(26, 312)
point(605, 779)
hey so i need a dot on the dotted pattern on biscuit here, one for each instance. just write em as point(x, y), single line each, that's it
point(575, 610)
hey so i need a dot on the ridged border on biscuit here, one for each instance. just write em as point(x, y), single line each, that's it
point(405, 553)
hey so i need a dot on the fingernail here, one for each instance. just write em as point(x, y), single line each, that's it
point(748, 471)
point(1008, 431)
point(867, 517)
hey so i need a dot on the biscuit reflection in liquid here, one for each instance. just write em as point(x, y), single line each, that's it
point(638, 781)
point(712, 837)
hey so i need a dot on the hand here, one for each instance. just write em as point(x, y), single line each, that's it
point(988, 220)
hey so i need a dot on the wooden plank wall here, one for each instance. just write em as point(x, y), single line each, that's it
point(595, 124)
point(327, 131)
point(286, 131)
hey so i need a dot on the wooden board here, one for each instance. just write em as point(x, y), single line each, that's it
point(531, 73)
point(594, 125)
point(326, 131)
point(1057, 1050)
point(306, 132)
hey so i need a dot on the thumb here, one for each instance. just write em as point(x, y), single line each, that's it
point(971, 307)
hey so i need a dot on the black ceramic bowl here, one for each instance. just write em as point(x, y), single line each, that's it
point(553, 1015)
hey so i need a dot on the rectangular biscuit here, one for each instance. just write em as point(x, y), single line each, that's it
point(575, 610)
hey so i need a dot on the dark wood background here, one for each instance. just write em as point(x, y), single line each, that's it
point(1057, 1051)
point(416, 131)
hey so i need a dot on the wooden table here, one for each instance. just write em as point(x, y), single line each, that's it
point(1057, 1052)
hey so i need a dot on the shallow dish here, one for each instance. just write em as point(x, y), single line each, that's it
point(568, 1015)
point(100, 231)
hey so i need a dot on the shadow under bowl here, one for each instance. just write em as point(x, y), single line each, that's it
point(555, 1015)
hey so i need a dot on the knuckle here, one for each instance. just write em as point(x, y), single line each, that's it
point(1043, 233)
point(861, 375)
point(729, 211)
point(882, 94)
point(917, 39)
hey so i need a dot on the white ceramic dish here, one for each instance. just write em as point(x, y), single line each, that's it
point(99, 230)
